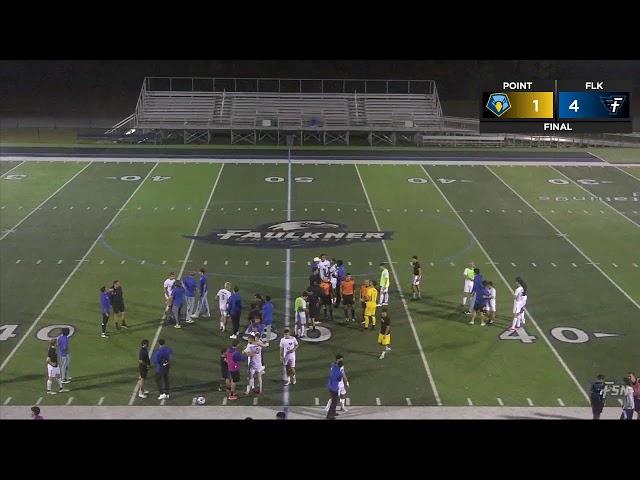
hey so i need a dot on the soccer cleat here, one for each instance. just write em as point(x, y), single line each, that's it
point(234, 336)
point(248, 391)
point(483, 324)
point(467, 312)
point(387, 349)
point(190, 321)
point(162, 396)
point(294, 380)
point(66, 381)
point(104, 335)
point(146, 392)
point(195, 315)
point(471, 322)
point(177, 325)
point(50, 392)
point(142, 395)
point(381, 355)
point(117, 326)
point(232, 397)
point(63, 390)
point(124, 325)
point(342, 409)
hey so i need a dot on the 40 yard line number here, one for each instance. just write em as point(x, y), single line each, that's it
point(44, 334)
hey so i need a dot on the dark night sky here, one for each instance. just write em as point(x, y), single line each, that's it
point(109, 88)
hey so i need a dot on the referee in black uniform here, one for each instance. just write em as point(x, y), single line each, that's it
point(143, 367)
point(117, 302)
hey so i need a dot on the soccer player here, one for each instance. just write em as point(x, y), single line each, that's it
point(478, 279)
point(347, 288)
point(224, 372)
point(343, 384)
point(480, 303)
point(370, 306)
point(234, 307)
point(519, 304)
point(627, 400)
point(53, 370)
point(384, 337)
point(63, 350)
point(598, 396)
point(417, 276)
point(255, 320)
point(105, 303)
point(302, 312)
point(177, 301)
point(256, 369)
point(324, 266)
point(363, 296)
point(162, 360)
point(203, 302)
point(313, 302)
point(223, 299)
point(335, 375)
point(143, 368)
point(35, 413)
point(326, 298)
point(468, 286)
point(168, 286)
point(492, 302)
point(288, 347)
point(267, 319)
point(117, 302)
point(189, 284)
point(635, 384)
point(384, 285)
point(333, 278)
point(340, 275)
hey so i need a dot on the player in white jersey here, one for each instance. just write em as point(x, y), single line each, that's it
point(256, 369)
point(468, 275)
point(324, 266)
point(223, 297)
point(333, 278)
point(168, 287)
point(519, 304)
point(342, 392)
point(492, 302)
point(288, 347)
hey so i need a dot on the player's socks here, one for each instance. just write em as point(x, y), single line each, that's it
point(49, 385)
point(326, 408)
point(60, 383)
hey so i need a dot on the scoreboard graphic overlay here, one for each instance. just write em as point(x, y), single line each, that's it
point(556, 106)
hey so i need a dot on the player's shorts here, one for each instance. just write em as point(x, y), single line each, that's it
point(53, 371)
point(118, 308)
point(363, 305)
point(235, 376)
point(301, 318)
point(370, 311)
point(517, 307)
point(347, 299)
point(224, 312)
point(290, 359)
point(479, 307)
point(341, 389)
point(492, 305)
point(144, 370)
point(326, 299)
point(334, 283)
point(416, 279)
point(224, 371)
point(468, 286)
point(597, 407)
point(384, 339)
point(254, 370)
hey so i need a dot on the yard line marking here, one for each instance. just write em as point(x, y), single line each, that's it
point(164, 262)
point(44, 201)
point(224, 401)
point(553, 264)
point(615, 265)
point(18, 261)
point(317, 401)
point(82, 260)
point(184, 264)
point(142, 262)
point(591, 193)
point(635, 265)
point(370, 263)
point(246, 262)
point(54, 207)
point(12, 169)
point(568, 240)
point(348, 401)
point(69, 401)
point(513, 264)
point(39, 401)
point(529, 402)
point(59, 262)
point(469, 402)
point(267, 263)
point(287, 281)
point(101, 400)
point(527, 312)
point(349, 262)
point(500, 402)
point(205, 262)
point(226, 262)
point(408, 401)
point(122, 262)
point(66, 281)
point(574, 264)
point(404, 301)
point(432, 264)
point(561, 402)
point(378, 402)
point(255, 400)
point(452, 264)
point(6, 402)
point(533, 264)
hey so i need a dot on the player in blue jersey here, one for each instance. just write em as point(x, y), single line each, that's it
point(189, 284)
point(481, 304)
point(177, 301)
point(203, 287)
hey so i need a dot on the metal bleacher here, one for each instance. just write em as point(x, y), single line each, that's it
point(252, 110)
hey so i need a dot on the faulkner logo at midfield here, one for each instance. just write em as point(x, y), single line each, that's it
point(291, 234)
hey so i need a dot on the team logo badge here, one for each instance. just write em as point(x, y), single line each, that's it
point(613, 103)
point(498, 104)
point(291, 234)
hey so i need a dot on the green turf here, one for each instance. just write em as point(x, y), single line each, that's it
point(30, 184)
point(7, 166)
point(467, 362)
point(617, 155)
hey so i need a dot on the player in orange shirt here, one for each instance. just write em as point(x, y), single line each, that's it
point(326, 300)
point(364, 286)
point(347, 287)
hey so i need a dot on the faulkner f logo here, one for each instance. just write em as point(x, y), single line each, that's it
point(612, 103)
point(291, 234)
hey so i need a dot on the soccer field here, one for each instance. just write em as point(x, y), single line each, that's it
point(572, 232)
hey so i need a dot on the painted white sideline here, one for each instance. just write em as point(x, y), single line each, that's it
point(73, 272)
point(527, 312)
point(404, 302)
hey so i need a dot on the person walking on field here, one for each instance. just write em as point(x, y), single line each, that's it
point(143, 368)
point(598, 396)
point(63, 352)
point(105, 303)
point(117, 302)
point(162, 361)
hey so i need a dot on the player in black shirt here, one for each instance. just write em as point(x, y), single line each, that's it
point(53, 369)
point(384, 337)
point(117, 302)
point(417, 276)
point(598, 395)
point(313, 302)
point(143, 367)
point(224, 372)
